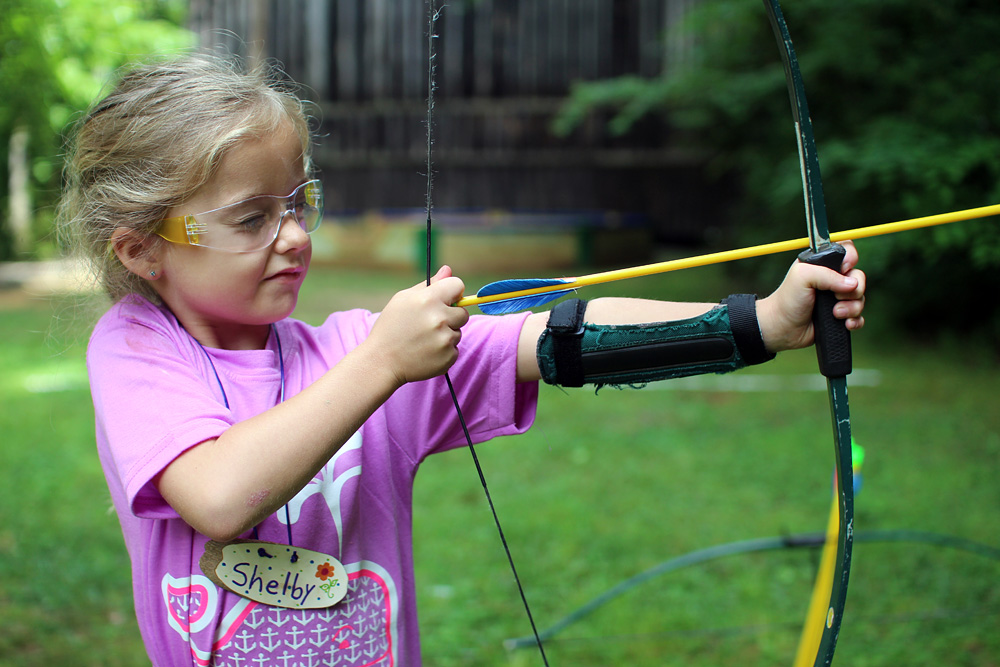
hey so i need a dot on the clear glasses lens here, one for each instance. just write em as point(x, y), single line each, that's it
point(253, 224)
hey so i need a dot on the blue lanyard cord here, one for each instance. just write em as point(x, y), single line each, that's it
point(281, 399)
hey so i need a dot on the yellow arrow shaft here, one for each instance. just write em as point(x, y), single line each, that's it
point(742, 253)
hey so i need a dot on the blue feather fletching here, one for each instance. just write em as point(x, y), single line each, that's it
point(516, 304)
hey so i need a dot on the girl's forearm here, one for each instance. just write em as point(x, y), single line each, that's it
point(224, 487)
point(606, 310)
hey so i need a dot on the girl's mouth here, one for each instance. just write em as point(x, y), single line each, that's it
point(288, 275)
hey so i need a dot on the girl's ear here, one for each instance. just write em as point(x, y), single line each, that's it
point(137, 252)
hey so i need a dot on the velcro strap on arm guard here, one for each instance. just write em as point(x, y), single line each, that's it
point(746, 329)
point(565, 330)
point(571, 352)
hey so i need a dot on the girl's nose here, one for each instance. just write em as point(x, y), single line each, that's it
point(291, 236)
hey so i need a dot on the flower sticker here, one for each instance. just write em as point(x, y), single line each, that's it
point(324, 571)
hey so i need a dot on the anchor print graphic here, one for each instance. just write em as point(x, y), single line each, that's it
point(357, 632)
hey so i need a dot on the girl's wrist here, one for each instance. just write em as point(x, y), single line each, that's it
point(375, 367)
point(765, 320)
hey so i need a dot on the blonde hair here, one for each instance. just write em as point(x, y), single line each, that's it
point(153, 141)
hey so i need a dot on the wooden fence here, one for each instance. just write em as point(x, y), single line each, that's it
point(503, 69)
point(352, 50)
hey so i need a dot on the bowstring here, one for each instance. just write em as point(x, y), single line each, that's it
point(433, 14)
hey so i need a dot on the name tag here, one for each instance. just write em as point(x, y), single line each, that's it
point(274, 574)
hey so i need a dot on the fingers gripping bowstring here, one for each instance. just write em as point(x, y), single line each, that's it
point(433, 13)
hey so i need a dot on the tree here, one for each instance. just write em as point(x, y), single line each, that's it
point(55, 56)
point(907, 124)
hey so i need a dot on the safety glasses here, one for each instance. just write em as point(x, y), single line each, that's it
point(248, 225)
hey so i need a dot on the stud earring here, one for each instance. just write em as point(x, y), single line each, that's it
point(152, 274)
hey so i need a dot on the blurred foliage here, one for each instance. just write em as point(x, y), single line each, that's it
point(907, 121)
point(55, 58)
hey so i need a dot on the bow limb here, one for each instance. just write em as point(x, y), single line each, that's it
point(832, 339)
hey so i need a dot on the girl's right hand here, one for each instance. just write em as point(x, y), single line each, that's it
point(417, 333)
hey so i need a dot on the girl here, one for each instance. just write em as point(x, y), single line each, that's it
point(261, 468)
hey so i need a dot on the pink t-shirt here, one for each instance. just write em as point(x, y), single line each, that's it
point(156, 394)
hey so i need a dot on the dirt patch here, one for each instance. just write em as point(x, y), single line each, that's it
point(24, 284)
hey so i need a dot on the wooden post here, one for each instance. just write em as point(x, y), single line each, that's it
point(18, 181)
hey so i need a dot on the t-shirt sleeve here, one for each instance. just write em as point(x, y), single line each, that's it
point(422, 417)
point(152, 401)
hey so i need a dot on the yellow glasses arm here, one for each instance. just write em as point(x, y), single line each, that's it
point(181, 229)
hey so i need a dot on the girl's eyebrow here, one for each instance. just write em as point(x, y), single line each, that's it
point(246, 200)
point(247, 197)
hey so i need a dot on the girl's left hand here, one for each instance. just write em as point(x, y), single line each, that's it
point(785, 316)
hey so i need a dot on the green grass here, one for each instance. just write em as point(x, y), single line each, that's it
point(603, 487)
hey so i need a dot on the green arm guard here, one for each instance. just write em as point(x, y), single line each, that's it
point(571, 352)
